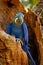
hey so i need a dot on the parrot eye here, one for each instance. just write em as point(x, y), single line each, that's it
point(18, 21)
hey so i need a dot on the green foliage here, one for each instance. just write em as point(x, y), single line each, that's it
point(29, 3)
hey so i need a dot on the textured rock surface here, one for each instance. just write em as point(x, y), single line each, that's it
point(34, 22)
point(8, 9)
point(38, 9)
point(11, 52)
point(7, 13)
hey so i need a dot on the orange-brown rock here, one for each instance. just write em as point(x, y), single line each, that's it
point(11, 53)
point(8, 9)
point(7, 12)
point(33, 22)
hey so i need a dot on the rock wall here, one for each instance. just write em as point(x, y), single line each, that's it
point(11, 52)
point(8, 9)
point(33, 21)
point(38, 9)
point(7, 12)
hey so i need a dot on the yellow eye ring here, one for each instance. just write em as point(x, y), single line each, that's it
point(16, 20)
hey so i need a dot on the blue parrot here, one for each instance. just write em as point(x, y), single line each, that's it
point(18, 28)
point(19, 31)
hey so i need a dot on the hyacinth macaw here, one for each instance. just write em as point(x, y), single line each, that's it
point(18, 28)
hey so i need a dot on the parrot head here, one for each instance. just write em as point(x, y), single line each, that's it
point(18, 19)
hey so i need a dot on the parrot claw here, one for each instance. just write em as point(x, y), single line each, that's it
point(19, 41)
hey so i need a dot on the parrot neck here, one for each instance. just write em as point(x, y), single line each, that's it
point(17, 25)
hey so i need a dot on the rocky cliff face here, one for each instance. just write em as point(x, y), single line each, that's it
point(38, 9)
point(11, 52)
point(34, 23)
point(8, 9)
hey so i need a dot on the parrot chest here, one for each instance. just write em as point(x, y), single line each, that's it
point(17, 31)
